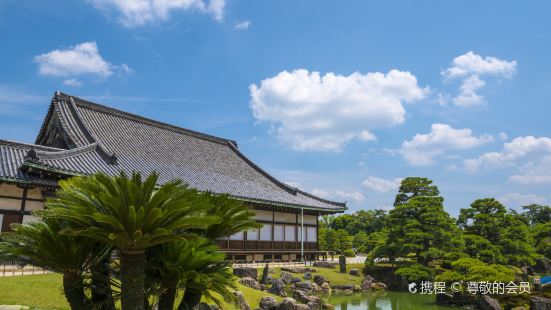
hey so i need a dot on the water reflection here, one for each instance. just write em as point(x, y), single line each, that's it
point(385, 301)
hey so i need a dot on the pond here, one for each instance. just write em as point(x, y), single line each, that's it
point(386, 301)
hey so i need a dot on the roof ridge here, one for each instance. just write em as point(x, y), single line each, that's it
point(29, 145)
point(148, 121)
point(67, 153)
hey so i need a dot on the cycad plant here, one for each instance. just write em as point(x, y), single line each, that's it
point(131, 215)
point(41, 244)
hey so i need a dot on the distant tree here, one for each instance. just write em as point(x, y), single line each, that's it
point(537, 214)
point(474, 270)
point(361, 239)
point(419, 224)
point(345, 241)
point(505, 231)
point(415, 186)
point(541, 233)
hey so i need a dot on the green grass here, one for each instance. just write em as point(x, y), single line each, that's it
point(45, 292)
point(38, 291)
point(331, 275)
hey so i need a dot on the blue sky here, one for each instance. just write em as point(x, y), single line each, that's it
point(342, 98)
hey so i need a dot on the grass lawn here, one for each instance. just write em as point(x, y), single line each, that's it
point(46, 292)
point(39, 291)
point(331, 275)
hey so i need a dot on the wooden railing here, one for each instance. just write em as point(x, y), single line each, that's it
point(264, 245)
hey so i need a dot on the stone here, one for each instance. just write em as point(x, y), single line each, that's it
point(265, 273)
point(540, 303)
point(366, 283)
point(325, 288)
point(200, 306)
point(250, 282)
point(324, 264)
point(313, 302)
point(486, 302)
point(307, 276)
point(286, 277)
point(355, 272)
point(246, 272)
point(316, 288)
point(287, 304)
point(241, 301)
point(306, 285)
point(327, 306)
point(268, 303)
point(295, 280)
point(319, 280)
point(278, 288)
point(302, 307)
point(357, 288)
point(342, 264)
point(298, 269)
point(378, 286)
point(342, 286)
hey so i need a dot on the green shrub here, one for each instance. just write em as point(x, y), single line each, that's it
point(416, 273)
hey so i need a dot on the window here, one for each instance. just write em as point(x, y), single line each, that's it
point(290, 232)
point(312, 234)
point(278, 233)
point(253, 235)
point(237, 236)
point(266, 232)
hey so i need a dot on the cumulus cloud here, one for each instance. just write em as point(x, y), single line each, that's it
point(423, 148)
point(381, 185)
point(515, 200)
point(310, 111)
point(353, 196)
point(243, 25)
point(529, 156)
point(78, 60)
point(471, 67)
point(72, 83)
point(140, 12)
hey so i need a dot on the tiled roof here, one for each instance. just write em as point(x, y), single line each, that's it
point(109, 140)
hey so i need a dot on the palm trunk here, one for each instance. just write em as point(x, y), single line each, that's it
point(132, 280)
point(74, 291)
point(191, 299)
point(102, 296)
point(167, 297)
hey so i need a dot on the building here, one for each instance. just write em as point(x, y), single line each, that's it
point(80, 137)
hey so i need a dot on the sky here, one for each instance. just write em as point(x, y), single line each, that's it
point(340, 98)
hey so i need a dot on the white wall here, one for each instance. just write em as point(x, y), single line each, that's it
point(266, 232)
point(290, 233)
point(278, 232)
point(263, 215)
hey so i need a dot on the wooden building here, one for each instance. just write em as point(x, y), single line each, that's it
point(80, 137)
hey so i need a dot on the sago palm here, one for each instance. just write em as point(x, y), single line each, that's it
point(132, 215)
point(41, 244)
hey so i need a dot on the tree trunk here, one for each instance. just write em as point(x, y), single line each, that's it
point(102, 296)
point(191, 299)
point(132, 280)
point(167, 296)
point(74, 291)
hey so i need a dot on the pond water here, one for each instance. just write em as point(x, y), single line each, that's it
point(386, 301)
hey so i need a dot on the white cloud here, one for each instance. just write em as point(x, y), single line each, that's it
point(423, 148)
point(141, 12)
point(353, 196)
point(72, 83)
point(80, 59)
point(471, 67)
point(243, 25)
point(515, 200)
point(356, 197)
point(381, 185)
point(309, 111)
point(529, 156)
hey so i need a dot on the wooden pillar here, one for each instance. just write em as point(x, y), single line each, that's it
point(317, 232)
point(23, 202)
point(296, 231)
point(273, 230)
point(245, 240)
